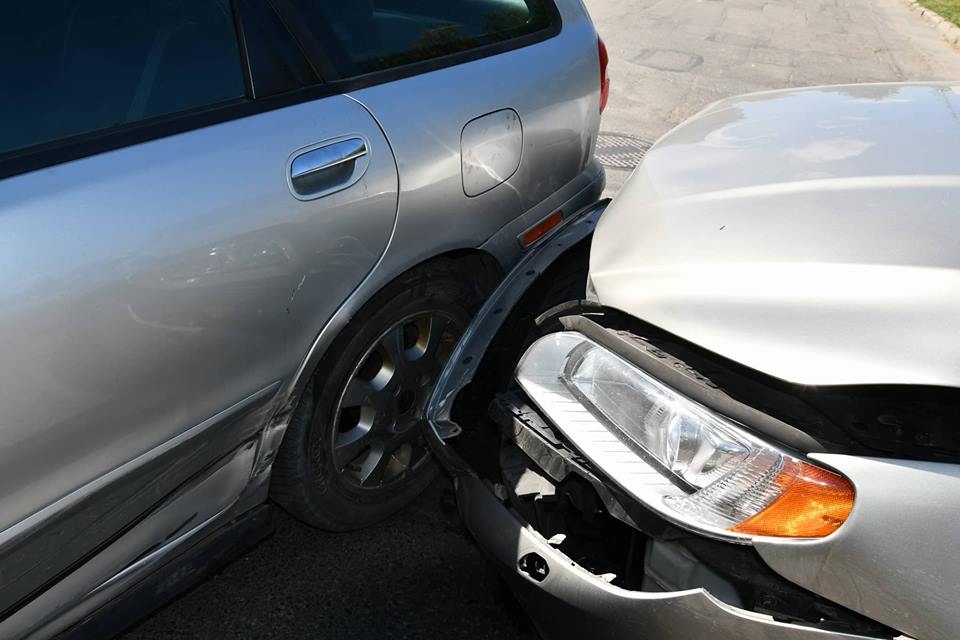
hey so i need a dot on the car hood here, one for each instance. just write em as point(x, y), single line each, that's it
point(809, 234)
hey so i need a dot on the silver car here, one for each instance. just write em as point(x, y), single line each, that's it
point(239, 240)
point(750, 428)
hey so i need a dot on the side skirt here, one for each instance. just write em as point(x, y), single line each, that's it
point(197, 563)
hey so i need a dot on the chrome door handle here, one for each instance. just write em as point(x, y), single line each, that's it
point(328, 168)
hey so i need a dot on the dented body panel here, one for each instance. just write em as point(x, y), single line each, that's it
point(796, 247)
point(154, 303)
point(564, 598)
point(164, 304)
point(151, 306)
point(795, 232)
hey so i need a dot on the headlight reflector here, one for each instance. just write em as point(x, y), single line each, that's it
point(689, 464)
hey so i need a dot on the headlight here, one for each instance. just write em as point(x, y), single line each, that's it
point(689, 464)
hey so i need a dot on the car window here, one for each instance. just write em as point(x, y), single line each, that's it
point(69, 67)
point(276, 62)
point(372, 35)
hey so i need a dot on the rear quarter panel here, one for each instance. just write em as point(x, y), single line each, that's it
point(554, 86)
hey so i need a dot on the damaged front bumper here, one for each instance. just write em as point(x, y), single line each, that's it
point(564, 593)
point(564, 600)
point(567, 584)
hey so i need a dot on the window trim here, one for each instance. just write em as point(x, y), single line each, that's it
point(84, 145)
point(244, 52)
point(316, 56)
point(320, 55)
point(268, 7)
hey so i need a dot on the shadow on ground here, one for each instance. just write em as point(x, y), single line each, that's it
point(417, 575)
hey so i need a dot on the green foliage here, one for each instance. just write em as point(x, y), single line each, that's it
point(949, 9)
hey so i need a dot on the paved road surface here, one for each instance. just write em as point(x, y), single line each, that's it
point(418, 575)
point(671, 58)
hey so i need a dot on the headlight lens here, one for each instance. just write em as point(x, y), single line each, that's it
point(689, 464)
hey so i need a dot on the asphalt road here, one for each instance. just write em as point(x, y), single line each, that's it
point(671, 58)
point(418, 575)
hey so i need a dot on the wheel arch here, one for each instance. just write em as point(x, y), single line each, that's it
point(480, 266)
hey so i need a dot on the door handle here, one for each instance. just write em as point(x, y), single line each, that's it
point(328, 168)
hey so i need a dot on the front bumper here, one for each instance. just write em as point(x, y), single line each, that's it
point(570, 602)
point(564, 599)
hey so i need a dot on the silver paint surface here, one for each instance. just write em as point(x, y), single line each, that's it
point(810, 234)
point(573, 595)
point(894, 558)
point(560, 116)
point(490, 150)
point(150, 288)
point(561, 119)
point(208, 502)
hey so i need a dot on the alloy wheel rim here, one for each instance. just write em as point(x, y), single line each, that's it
point(376, 439)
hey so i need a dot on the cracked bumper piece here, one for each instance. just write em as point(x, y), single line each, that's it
point(564, 600)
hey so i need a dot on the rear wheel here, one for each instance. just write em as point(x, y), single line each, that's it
point(354, 452)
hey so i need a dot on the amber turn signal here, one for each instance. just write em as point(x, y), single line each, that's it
point(541, 229)
point(813, 503)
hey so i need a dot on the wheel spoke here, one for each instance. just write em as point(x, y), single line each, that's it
point(361, 393)
point(379, 435)
point(438, 327)
point(347, 446)
point(392, 344)
point(384, 404)
point(375, 468)
point(427, 366)
point(357, 394)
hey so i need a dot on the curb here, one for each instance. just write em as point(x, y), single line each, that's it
point(947, 29)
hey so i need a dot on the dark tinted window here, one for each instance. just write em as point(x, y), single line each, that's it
point(74, 66)
point(372, 35)
point(276, 62)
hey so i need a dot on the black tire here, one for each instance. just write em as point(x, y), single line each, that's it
point(308, 480)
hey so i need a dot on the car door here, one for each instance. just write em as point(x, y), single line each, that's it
point(174, 206)
point(491, 108)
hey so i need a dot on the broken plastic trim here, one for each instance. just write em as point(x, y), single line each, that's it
point(734, 574)
point(468, 353)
